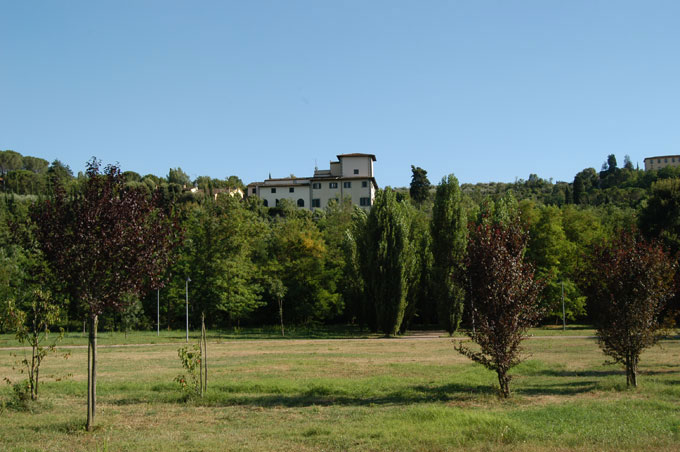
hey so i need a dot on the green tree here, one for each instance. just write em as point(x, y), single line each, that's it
point(9, 161)
point(179, 177)
point(218, 256)
point(298, 248)
point(420, 185)
point(385, 263)
point(32, 325)
point(448, 229)
point(35, 164)
point(420, 255)
point(660, 218)
point(553, 256)
point(357, 303)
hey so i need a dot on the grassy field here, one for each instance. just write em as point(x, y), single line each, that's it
point(351, 394)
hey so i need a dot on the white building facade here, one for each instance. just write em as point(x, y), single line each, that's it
point(349, 177)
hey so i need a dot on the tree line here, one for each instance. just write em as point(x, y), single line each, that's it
point(254, 265)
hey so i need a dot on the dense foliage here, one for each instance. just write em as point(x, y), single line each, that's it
point(254, 265)
point(448, 229)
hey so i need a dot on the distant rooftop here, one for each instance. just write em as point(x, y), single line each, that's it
point(662, 157)
point(339, 156)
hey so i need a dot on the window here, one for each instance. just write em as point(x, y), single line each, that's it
point(316, 185)
point(273, 190)
point(364, 184)
point(316, 202)
point(301, 202)
point(658, 161)
point(365, 201)
point(356, 171)
point(291, 190)
point(266, 203)
point(346, 185)
point(254, 190)
point(277, 202)
point(665, 160)
point(333, 185)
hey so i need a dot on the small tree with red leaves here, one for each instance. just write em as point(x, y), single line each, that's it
point(105, 243)
point(628, 283)
point(503, 293)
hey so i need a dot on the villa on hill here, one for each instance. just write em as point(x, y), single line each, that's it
point(661, 161)
point(351, 176)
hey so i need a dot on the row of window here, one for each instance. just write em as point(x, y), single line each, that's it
point(317, 186)
point(300, 202)
point(290, 190)
point(316, 202)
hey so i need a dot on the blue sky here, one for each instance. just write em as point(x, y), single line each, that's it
point(487, 90)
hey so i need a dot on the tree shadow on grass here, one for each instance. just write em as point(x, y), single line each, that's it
point(322, 396)
point(572, 373)
point(328, 396)
point(558, 389)
point(592, 373)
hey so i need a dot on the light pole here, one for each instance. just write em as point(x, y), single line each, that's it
point(158, 311)
point(564, 317)
point(187, 298)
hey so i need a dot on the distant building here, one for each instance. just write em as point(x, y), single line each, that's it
point(351, 176)
point(656, 163)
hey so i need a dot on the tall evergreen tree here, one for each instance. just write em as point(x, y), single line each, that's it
point(449, 240)
point(420, 185)
point(386, 263)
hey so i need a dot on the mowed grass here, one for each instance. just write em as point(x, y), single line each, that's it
point(356, 394)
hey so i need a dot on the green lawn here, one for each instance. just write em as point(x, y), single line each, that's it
point(356, 394)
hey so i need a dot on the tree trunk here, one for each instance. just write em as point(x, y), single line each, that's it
point(205, 356)
point(504, 383)
point(92, 372)
point(633, 371)
point(200, 362)
point(37, 377)
point(31, 376)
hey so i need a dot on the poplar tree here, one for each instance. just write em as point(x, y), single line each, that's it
point(387, 260)
point(449, 240)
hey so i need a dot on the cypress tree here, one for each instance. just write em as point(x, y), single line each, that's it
point(449, 240)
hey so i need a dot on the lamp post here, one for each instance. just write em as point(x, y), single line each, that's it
point(187, 299)
point(564, 317)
